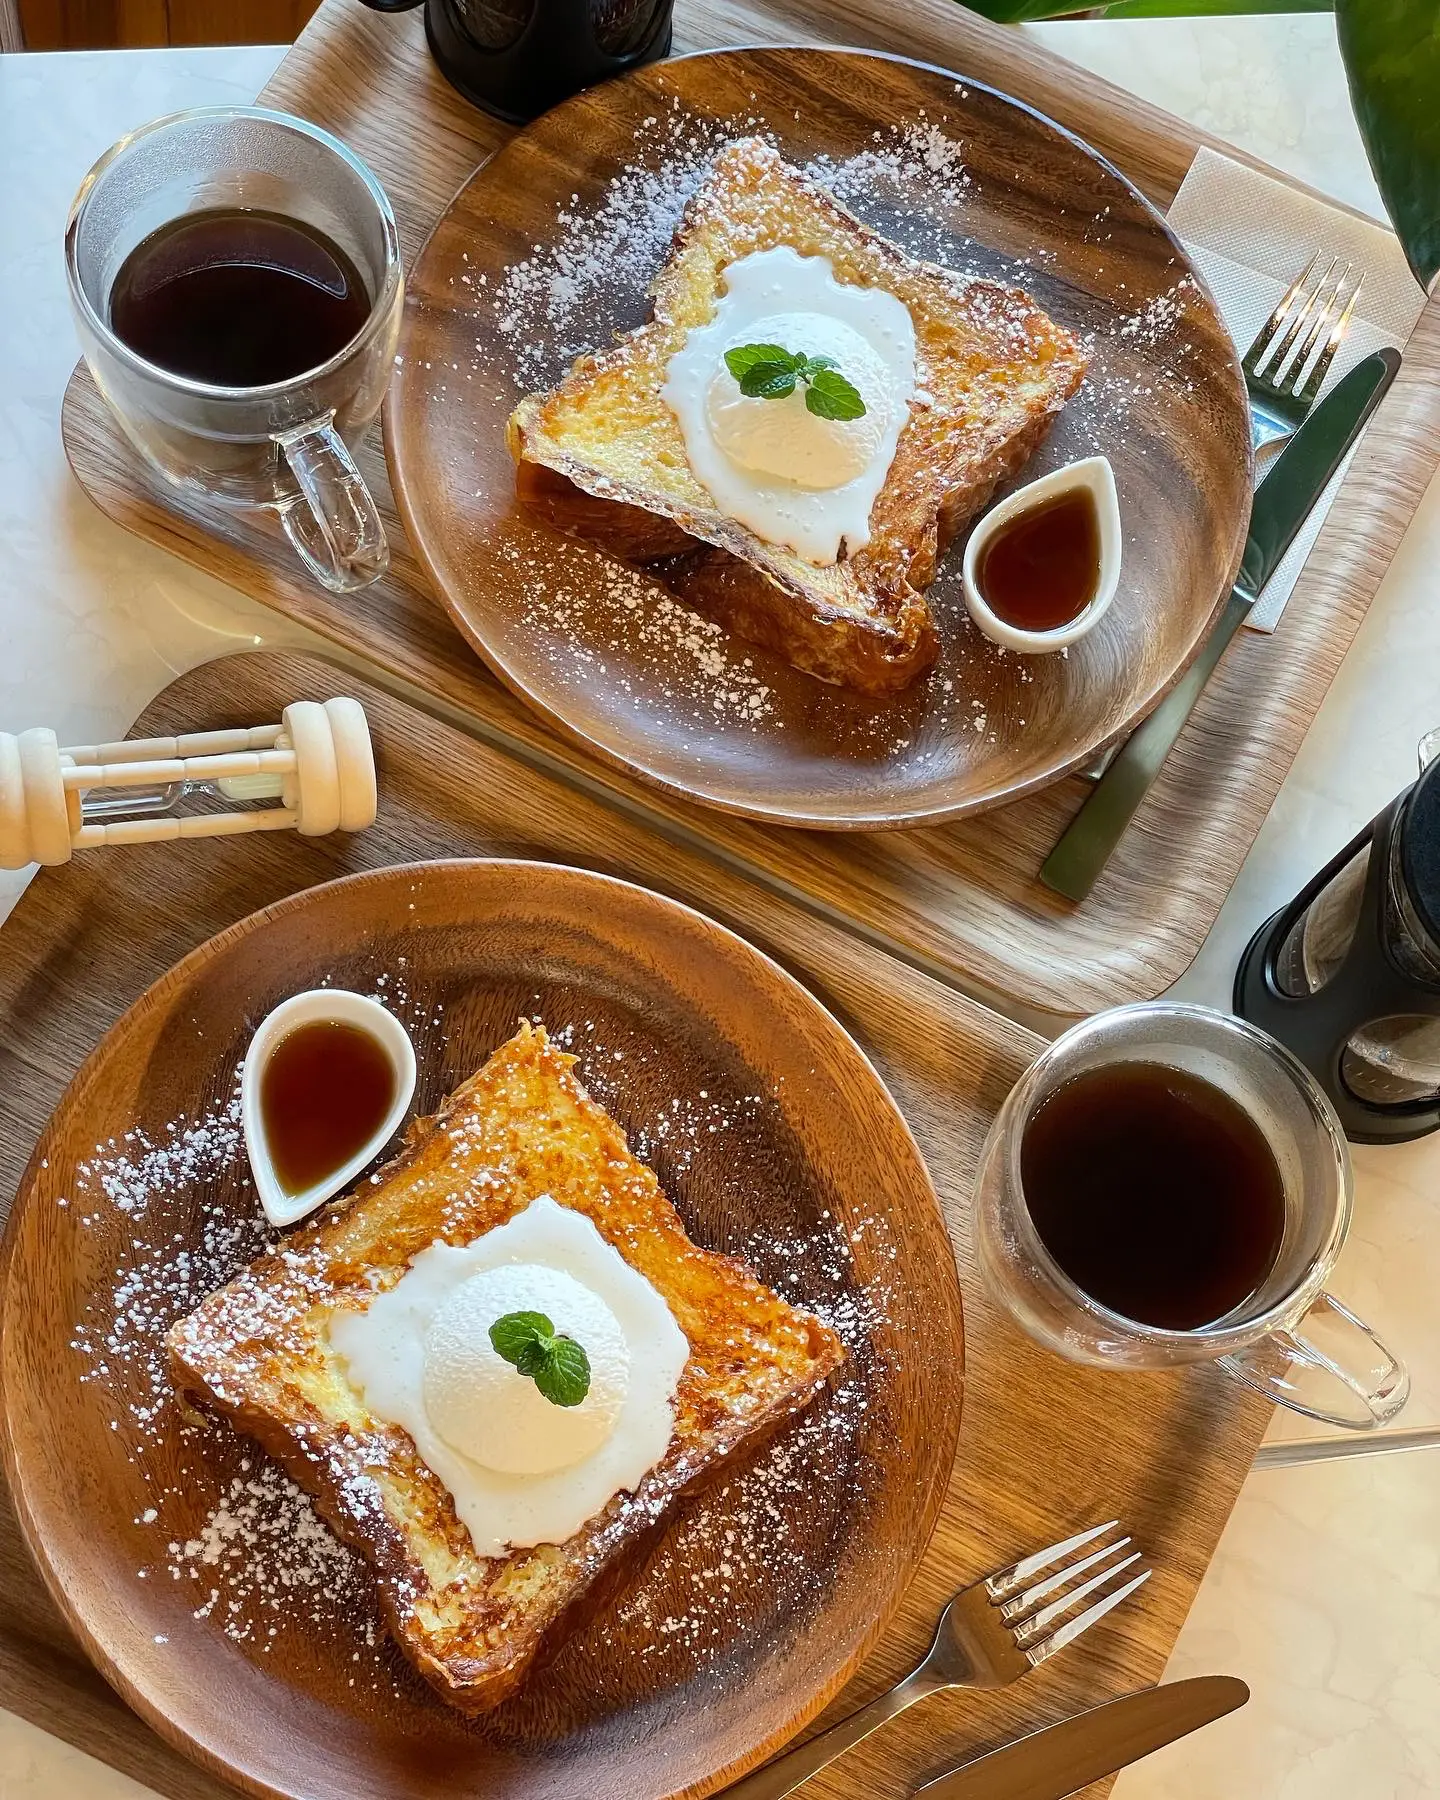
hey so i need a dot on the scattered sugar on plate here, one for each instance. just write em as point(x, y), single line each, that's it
point(610, 629)
point(263, 1559)
point(253, 1557)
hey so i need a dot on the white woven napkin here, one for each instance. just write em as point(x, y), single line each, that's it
point(1250, 236)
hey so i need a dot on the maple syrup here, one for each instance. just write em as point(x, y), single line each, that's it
point(1041, 569)
point(324, 1093)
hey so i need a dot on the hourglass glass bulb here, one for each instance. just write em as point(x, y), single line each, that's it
point(317, 762)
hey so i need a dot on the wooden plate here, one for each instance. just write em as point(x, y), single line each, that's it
point(548, 249)
point(776, 1139)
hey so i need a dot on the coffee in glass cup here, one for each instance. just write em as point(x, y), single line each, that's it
point(236, 282)
point(1167, 1185)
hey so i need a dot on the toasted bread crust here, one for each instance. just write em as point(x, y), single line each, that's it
point(257, 1353)
point(602, 456)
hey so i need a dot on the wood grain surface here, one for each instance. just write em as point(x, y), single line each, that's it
point(773, 1137)
point(1045, 1447)
point(1030, 207)
point(136, 24)
point(961, 899)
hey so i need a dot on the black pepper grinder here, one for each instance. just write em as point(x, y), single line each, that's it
point(517, 58)
point(1348, 974)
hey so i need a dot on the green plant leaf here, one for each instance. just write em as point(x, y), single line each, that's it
point(534, 1356)
point(1392, 57)
point(768, 381)
point(769, 372)
point(565, 1378)
point(1171, 9)
point(1014, 12)
point(516, 1333)
point(558, 1366)
point(830, 396)
point(744, 357)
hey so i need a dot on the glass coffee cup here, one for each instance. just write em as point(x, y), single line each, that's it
point(1287, 1338)
point(282, 445)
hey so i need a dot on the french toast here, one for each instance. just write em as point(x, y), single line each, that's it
point(602, 456)
point(257, 1352)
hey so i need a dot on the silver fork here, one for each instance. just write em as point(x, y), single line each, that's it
point(1278, 403)
point(989, 1635)
point(1315, 313)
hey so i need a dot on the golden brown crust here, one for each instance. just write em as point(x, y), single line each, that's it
point(257, 1352)
point(994, 371)
point(878, 655)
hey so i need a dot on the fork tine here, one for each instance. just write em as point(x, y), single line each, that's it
point(1004, 1582)
point(1288, 379)
point(1302, 320)
point(1316, 380)
point(1035, 1627)
point(1032, 1596)
point(1257, 354)
point(1067, 1634)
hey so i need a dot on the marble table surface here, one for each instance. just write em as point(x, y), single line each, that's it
point(1325, 1594)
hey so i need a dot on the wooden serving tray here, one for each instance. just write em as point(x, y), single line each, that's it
point(960, 899)
point(1045, 1447)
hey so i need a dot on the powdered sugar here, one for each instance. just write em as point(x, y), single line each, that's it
point(642, 666)
point(263, 1560)
point(128, 1171)
point(596, 257)
point(203, 1224)
point(244, 1544)
point(603, 258)
point(619, 627)
point(738, 1539)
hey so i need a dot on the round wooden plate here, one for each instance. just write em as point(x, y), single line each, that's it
point(777, 1141)
point(548, 249)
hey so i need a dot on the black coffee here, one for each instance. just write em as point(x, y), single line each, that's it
point(1155, 1192)
point(237, 298)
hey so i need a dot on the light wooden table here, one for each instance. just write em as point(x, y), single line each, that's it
point(1326, 1592)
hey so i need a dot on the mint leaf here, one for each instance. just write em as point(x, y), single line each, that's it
point(830, 396)
point(513, 1335)
point(558, 1366)
point(745, 356)
point(769, 372)
point(564, 1379)
point(768, 381)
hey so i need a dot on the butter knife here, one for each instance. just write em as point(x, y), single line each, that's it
point(1066, 1757)
point(1297, 479)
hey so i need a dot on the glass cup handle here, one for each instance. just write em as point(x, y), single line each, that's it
point(1334, 1369)
point(332, 521)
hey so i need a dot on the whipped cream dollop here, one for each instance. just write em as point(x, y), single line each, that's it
point(521, 1469)
point(783, 439)
point(794, 477)
point(485, 1409)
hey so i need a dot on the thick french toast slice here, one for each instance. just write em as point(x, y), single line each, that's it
point(258, 1353)
point(602, 455)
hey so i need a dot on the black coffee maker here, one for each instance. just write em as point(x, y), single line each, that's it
point(1348, 974)
point(516, 58)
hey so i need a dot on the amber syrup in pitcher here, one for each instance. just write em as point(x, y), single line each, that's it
point(324, 1093)
point(1041, 569)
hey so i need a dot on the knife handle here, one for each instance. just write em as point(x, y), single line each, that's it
point(785, 1774)
point(1088, 842)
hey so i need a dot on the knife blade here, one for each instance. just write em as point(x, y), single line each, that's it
point(1061, 1759)
point(1297, 479)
